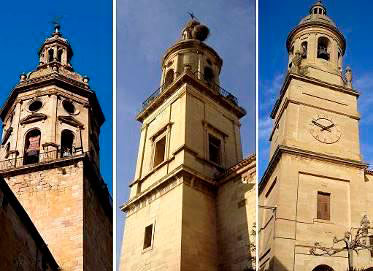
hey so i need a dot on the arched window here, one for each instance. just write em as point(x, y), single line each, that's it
point(59, 55)
point(67, 143)
point(323, 267)
point(169, 78)
point(304, 47)
point(32, 147)
point(50, 55)
point(208, 74)
point(322, 48)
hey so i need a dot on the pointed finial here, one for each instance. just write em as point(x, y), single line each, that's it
point(348, 76)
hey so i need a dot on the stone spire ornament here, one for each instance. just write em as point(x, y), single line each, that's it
point(348, 76)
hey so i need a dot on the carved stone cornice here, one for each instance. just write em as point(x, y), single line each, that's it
point(71, 121)
point(59, 80)
point(34, 117)
point(180, 175)
point(281, 149)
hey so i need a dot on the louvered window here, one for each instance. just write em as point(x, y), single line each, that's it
point(323, 205)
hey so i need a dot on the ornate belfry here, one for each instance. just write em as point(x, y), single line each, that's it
point(316, 186)
point(49, 157)
point(187, 205)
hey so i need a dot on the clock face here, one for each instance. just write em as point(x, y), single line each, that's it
point(325, 130)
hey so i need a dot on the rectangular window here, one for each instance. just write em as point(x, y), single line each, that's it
point(323, 205)
point(214, 149)
point(148, 238)
point(160, 151)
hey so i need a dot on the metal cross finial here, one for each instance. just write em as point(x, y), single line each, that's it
point(56, 22)
point(192, 15)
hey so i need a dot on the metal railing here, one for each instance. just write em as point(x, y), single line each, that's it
point(154, 95)
point(43, 157)
point(200, 76)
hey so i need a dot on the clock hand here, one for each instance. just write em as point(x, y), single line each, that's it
point(321, 126)
point(318, 124)
point(328, 127)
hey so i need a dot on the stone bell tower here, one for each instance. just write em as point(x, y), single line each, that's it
point(190, 134)
point(316, 183)
point(49, 157)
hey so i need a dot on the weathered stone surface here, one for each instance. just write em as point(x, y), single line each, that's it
point(191, 204)
point(21, 246)
point(315, 148)
point(62, 191)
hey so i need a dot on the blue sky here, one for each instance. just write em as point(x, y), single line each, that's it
point(276, 20)
point(87, 25)
point(145, 30)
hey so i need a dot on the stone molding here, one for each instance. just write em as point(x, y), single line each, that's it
point(307, 154)
point(167, 183)
point(71, 121)
point(34, 117)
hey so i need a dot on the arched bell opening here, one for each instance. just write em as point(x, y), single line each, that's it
point(67, 143)
point(32, 147)
point(50, 55)
point(323, 48)
point(304, 49)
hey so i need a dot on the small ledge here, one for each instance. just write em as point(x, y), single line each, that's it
point(318, 220)
point(47, 144)
point(152, 171)
point(217, 166)
point(147, 249)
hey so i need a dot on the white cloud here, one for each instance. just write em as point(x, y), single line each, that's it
point(271, 91)
point(265, 128)
point(364, 84)
point(276, 84)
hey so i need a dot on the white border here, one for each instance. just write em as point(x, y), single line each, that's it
point(114, 135)
point(257, 128)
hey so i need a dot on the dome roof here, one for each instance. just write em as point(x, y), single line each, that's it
point(317, 18)
point(318, 14)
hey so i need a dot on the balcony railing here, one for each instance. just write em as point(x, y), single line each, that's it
point(41, 158)
point(200, 77)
